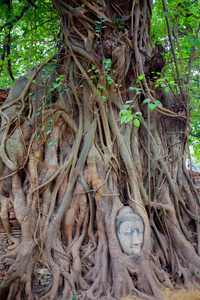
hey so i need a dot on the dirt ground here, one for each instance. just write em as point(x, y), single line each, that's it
point(181, 294)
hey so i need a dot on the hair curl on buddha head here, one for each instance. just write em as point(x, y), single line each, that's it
point(126, 214)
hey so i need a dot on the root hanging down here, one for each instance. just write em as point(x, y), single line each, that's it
point(69, 165)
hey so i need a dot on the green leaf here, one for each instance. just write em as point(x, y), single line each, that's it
point(98, 93)
point(123, 119)
point(158, 103)
point(128, 119)
point(104, 98)
point(125, 116)
point(136, 122)
point(122, 112)
point(135, 89)
point(102, 87)
point(160, 79)
point(152, 106)
point(147, 100)
point(140, 78)
point(167, 89)
point(47, 60)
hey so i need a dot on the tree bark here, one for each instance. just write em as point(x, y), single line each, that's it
point(68, 164)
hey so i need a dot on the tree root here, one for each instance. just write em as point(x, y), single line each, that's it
point(74, 166)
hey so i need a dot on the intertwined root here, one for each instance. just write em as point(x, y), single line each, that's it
point(68, 166)
point(83, 253)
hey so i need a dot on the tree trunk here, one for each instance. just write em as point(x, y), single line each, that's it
point(69, 163)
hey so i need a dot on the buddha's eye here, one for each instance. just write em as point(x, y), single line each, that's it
point(127, 232)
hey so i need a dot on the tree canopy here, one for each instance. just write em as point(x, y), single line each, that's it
point(183, 18)
point(30, 31)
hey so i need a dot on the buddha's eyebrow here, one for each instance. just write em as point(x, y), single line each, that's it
point(128, 230)
point(140, 227)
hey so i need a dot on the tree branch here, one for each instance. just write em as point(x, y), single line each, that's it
point(16, 18)
point(172, 46)
point(195, 135)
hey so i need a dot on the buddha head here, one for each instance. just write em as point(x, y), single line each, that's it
point(130, 230)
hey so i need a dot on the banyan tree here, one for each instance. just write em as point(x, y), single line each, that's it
point(83, 135)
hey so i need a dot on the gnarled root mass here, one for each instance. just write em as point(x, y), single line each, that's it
point(68, 165)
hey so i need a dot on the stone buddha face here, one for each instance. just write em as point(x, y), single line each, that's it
point(130, 230)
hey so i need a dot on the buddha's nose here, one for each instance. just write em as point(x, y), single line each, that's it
point(135, 238)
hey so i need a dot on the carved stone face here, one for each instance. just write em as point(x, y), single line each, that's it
point(130, 230)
